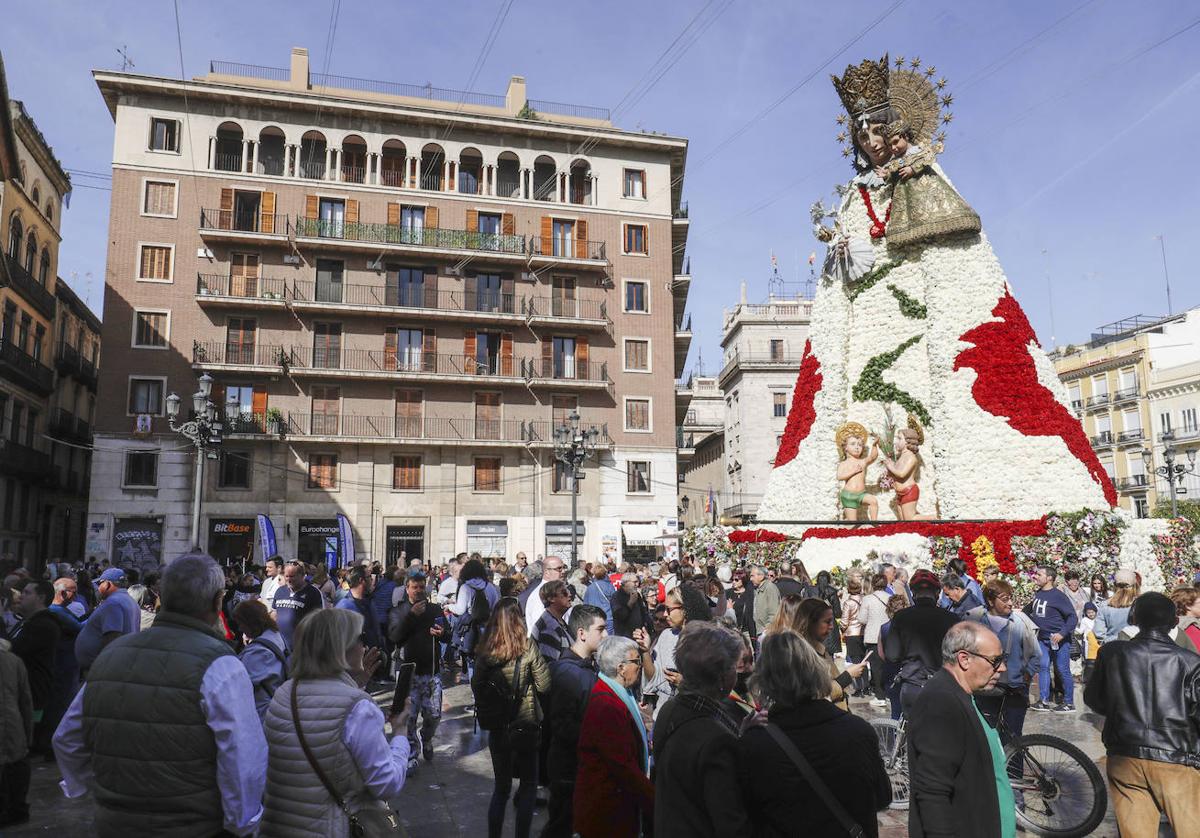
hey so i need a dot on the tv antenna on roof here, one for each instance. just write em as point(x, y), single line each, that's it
point(775, 282)
point(126, 61)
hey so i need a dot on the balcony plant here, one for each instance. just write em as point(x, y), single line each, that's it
point(275, 421)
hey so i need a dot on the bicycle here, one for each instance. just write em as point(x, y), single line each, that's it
point(1058, 791)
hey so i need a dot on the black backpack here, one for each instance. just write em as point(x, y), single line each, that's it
point(495, 699)
point(481, 609)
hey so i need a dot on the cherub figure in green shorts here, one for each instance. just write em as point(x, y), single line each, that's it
point(852, 470)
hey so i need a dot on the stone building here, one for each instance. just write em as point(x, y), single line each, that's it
point(399, 291)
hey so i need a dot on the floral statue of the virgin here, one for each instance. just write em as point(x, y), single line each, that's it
point(913, 314)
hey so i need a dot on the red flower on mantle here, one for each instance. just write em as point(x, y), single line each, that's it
point(803, 411)
point(1000, 533)
point(756, 536)
point(1007, 386)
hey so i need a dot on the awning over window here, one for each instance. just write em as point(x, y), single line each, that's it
point(643, 535)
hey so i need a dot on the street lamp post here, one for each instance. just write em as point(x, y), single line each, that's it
point(1174, 472)
point(204, 431)
point(572, 445)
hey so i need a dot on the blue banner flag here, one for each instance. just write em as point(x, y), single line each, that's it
point(345, 541)
point(266, 537)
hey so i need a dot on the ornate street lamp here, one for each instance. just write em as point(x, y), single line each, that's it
point(204, 430)
point(1173, 471)
point(572, 445)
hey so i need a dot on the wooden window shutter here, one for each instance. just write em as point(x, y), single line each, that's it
point(351, 211)
point(506, 353)
point(547, 358)
point(469, 347)
point(470, 284)
point(507, 289)
point(508, 224)
point(547, 235)
point(581, 358)
point(266, 221)
point(472, 221)
point(431, 218)
point(429, 350)
point(431, 288)
point(393, 214)
point(258, 406)
point(389, 348)
point(225, 216)
point(581, 244)
point(311, 207)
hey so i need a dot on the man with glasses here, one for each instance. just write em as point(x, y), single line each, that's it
point(914, 641)
point(552, 569)
point(1018, 638)
point(115, 616)
point(959, 780)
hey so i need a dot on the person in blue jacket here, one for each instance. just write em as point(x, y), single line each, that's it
point(1054, 615)
point(600, 592)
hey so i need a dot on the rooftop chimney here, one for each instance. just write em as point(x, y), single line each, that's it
point(299, 78)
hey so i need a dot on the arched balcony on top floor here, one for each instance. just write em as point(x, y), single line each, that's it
point(229, 148)
point(509, 177)
point(545, 179)
point(581, 187)
point(433, 167)
point(471, 173)
point(352, 160)
point(31, 253)
point(314, 156)
point(392, 164)
point(270, 152)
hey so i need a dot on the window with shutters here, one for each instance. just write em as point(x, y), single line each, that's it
point(331, 218)
point(637, 414)
point(410, 287)
point(487, 474)
point(776, 350)
point(409, 407)
point(159, 198)
point(562, 297)
point(1188, 414)
point(637, 477)
point(488, 294)
point(241, 335)
point(778, 405)
point(239, 403)
point(410, 345)
point(635, 183)
point(326, 409)
point(635, 239)
point(637, 296)
point(247, 211)
point(563, 478)
point(243, 275)
point(146, 396)
point(489, 230)
point(164, 134)
point(234, 470)
point(330, 275)
point(637, 355)
point(406, 473)
point(564, 357)
point(487, 353)
point(156, 262)
point(150, 329)
point(563, 236)
point(141, 469)
point(487, 416)
point(1164, 422)
point(322, 471)
point(412, 225)
point(327, 346)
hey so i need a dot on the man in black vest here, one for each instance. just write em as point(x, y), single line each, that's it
point(165, 733)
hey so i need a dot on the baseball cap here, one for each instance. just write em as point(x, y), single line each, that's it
point(113, 574)
point(924, 579)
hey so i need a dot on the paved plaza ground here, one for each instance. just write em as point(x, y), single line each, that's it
point(449, 797)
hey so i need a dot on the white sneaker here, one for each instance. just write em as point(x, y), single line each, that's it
point(880, 702)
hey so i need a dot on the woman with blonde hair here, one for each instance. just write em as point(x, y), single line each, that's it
point(787, 617)
point(510, 675)
point(1113, 615)
point(814, 622)
point(328, 760)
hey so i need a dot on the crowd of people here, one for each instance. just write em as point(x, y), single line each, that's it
point(674, 698)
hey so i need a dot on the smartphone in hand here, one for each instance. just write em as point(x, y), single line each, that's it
point(403, 686)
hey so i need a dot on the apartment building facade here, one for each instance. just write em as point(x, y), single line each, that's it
point(762, 344)
point(700, 413)
point(32, 188)
point(1109, 382)
point(398, 299)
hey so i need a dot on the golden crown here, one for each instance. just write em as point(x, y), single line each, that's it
point(864, 88)
point(847, 430)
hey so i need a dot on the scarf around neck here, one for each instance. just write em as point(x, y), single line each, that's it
point(625, 696)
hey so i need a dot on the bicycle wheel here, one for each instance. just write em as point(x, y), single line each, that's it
point(1058, 791)
point(894, 750)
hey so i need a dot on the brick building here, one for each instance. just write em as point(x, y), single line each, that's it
point(399, 291)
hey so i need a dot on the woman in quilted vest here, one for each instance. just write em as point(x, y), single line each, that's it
point(508, 654)
point(348, 758)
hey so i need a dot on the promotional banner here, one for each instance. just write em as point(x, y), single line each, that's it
point(266, 537)
point(345, 541)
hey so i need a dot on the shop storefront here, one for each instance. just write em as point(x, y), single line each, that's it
point(231, 540)
point(648, 541)
point(558, 540)
point(137, 542)
point(318, 542)
point(488, 538)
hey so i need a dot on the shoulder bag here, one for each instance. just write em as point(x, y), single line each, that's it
point(818, 785)
point(368, 822)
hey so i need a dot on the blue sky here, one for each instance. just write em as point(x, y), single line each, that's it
point(1070, 136)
